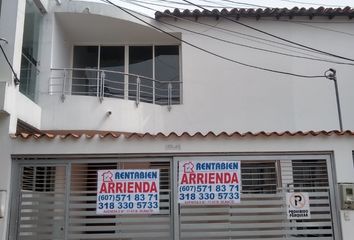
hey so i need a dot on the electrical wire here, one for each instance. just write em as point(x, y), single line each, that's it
point(237, 3)
point(242, 3)
point(182, 4)
point(270, 34)
point(312, 21)
point(239, 44)
point(311, 3)
point(250, 37)
point(157, 4)
point(243, 45)
point(291, 1)
point(263, 6)
point(212, 2)
point(229, 31)
point(239, 33)
point(217, 5)
point(17, 81)
point(295, 21)
point(129, 12)
point(313, 26)
point(255, 48)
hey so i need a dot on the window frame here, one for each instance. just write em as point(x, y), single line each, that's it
point(126, 63)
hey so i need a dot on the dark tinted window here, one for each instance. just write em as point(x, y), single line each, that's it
point(167, 70)
point(84, 81)
point(112, 59)
point(140, 63)
point(160, 63)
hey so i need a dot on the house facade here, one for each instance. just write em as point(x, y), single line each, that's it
point(103, 89)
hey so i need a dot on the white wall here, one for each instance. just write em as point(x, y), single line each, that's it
point(83, 111)
point(217, 95)
point(5, 170)
point(11, 28)
point(341, 146)
point(15, 104)
point(55, 53)
point(28, 111)
point(224, 96)
point(2, 96)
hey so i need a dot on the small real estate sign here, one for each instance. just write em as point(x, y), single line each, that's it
point(209, 182)
point(298, 205)
point(130, 191)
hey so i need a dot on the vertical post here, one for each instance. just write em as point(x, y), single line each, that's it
point(137, 100)
point(99, 79)
point(338, 105)
point(153, 74)
point(174, 200)
point(64, 83)
point(126, 71)
point(67, 186)
point(153, 91)
point(28, 76)
point(331, 75)
point(126, 87)
point(98, 84)
point(169, 95)
point(103, 75)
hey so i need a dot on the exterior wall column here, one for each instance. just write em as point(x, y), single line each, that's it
point(11, 28)
point(5, 170)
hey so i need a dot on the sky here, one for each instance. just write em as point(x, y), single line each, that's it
point(171, 4)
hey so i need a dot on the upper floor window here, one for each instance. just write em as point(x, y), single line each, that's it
point(29, 61)
point(143, 73)
point(167, 70)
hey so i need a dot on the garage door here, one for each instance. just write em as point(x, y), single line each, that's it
point(262, 211)
point(56, 199)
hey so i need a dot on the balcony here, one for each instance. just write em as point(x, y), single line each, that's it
point(114, 84)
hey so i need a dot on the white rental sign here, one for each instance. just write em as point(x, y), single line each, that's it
point(127, 192)
point(209, 182)
point(298, 205)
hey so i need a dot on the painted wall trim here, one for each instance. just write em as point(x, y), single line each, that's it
point(2, 96)
point(28, 111)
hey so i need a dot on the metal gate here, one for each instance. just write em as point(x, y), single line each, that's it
point(59, 202)
point(262, 211)
point(56, 199)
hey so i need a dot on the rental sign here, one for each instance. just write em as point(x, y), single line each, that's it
point(209, 182)
point(127, 192)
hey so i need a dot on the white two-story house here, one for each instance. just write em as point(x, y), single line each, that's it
point(105, 88)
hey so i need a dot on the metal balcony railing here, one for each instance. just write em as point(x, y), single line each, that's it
point(114, 84)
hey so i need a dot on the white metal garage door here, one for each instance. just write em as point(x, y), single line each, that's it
point(59, 202)
point(262, 211)
point(56, 199)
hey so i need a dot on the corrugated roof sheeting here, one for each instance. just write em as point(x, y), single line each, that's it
point(104, 134)
point(261, 12)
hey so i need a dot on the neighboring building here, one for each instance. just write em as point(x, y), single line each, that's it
point(100, 90)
